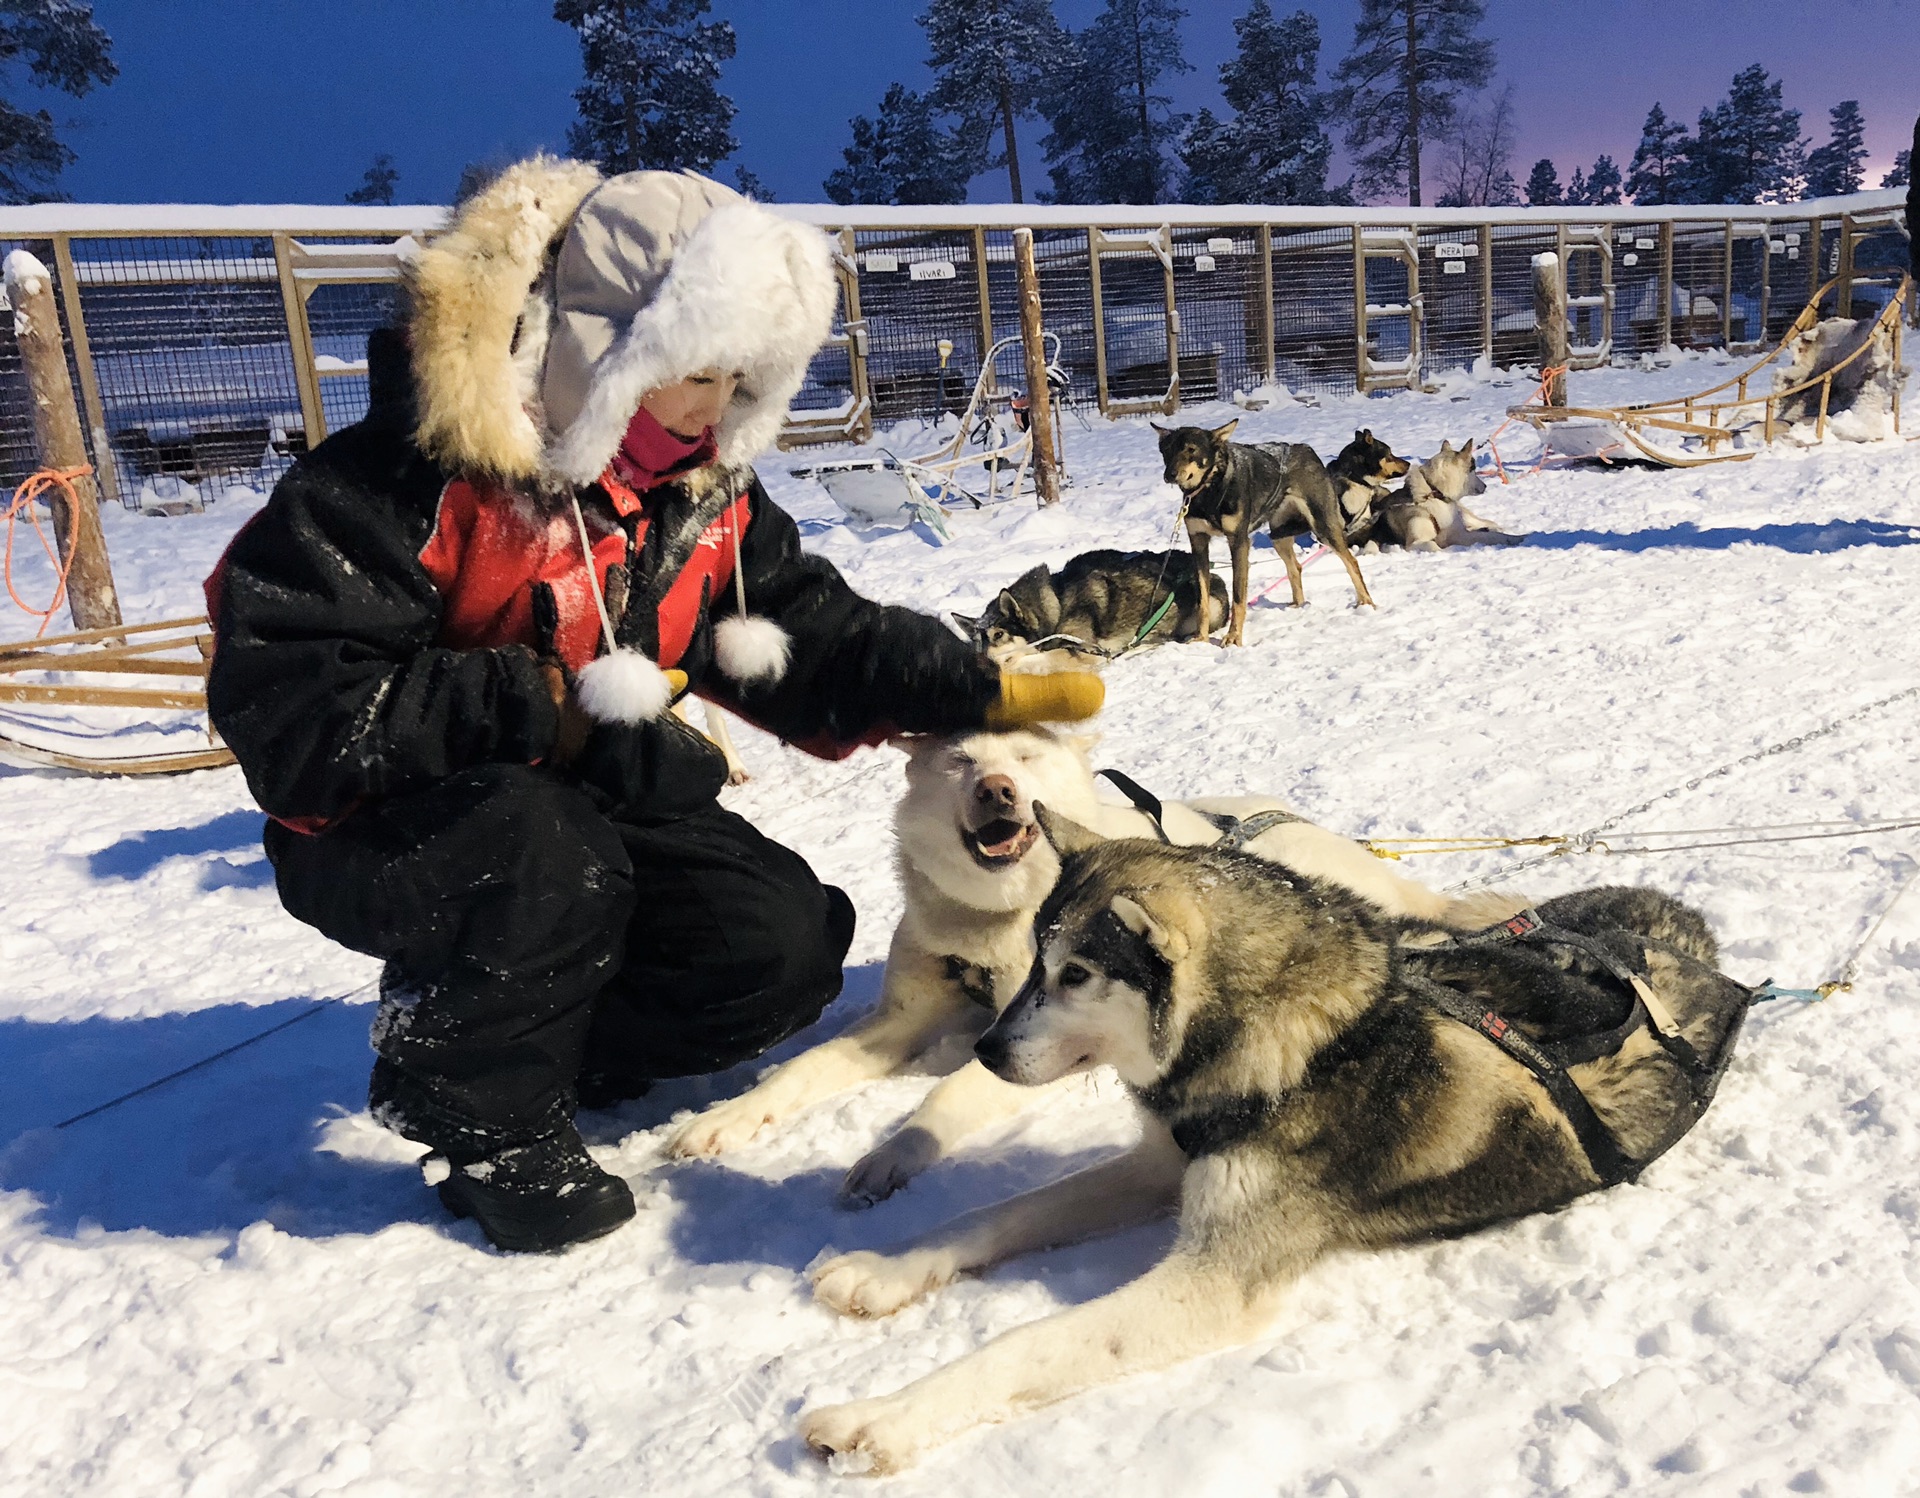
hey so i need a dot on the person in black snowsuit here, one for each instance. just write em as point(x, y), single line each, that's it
point(459, 727)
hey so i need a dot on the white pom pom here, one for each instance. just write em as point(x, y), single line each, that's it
point(751, 649)
point(624, 687)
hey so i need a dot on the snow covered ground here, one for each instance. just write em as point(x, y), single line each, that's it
point(235, 1286)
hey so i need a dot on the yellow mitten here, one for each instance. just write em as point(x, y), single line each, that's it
point(1063, 697)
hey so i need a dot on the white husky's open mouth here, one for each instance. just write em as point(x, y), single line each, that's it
point(1000, 844)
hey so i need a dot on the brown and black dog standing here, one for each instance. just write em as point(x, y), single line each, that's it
point(1232, 489)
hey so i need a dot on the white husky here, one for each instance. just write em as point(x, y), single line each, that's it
point(975, 870)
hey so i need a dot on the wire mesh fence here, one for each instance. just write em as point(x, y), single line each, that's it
point(209, 359)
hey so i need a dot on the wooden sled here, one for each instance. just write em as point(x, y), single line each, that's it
point(1699, 419)
point(175, 648)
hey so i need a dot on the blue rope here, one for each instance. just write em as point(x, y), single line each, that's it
point(1770, 990)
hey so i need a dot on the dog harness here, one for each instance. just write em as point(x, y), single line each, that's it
point(1549, 1060)
point(1235, 832)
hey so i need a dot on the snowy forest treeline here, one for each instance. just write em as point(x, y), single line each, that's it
point(1402, 97)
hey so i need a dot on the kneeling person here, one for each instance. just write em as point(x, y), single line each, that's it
point(446, 648)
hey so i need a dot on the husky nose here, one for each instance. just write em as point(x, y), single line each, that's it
point(991, 1048)
point(997, 791)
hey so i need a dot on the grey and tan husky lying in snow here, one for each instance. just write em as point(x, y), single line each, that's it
point(1429, 515)
point(1313, 1075)
point(1100, 603)
point(975, 868)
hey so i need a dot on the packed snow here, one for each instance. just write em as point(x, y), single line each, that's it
point(236, 1285)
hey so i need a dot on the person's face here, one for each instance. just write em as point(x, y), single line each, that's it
point(696, 403)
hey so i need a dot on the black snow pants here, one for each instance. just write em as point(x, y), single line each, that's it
point(531, 938)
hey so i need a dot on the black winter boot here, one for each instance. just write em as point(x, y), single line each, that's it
point(536, 1198)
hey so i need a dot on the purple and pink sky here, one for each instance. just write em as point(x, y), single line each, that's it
point(288, 100)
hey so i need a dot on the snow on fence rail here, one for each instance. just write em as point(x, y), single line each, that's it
point(211, 345)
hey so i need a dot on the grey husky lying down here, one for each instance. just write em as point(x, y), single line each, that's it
point(1428, 514)
point(974, 870)
point(1313, 1075)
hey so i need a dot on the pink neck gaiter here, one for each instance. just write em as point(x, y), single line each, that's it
point(650, 455)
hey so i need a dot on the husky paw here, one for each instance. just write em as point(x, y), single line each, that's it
point(738, 777)
point(869, 1437)
point(870, 1284)
point(724, 1126)
point(884, 1170)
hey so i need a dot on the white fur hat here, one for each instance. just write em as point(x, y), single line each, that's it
point(557, 299)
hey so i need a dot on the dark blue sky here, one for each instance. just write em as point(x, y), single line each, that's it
point(287, 100)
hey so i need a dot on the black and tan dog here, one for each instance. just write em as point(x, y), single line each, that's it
point(1313, 1076)
point(1364, 473)
point(1232, 489)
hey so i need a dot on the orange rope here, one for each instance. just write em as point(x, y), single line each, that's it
point(24, 499)
point(1547, 377)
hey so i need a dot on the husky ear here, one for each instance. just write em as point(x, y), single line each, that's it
point(968, 622)
point(1163, 431)
point(1084, 743)
point(1467, 451)
point(1445, 448)
point(1364, 434)
point(1068, 837)
point(1221, 434)
point(1169, 943)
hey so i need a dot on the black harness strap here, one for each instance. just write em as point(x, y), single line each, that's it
point(1610, 1163)
point(1141, 797)
point(1235, 832)
point(1549, 1062)
point(1648, 1012)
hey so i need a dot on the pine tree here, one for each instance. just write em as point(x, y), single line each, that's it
point(992, 60)
point(651, 96)
point(1543, 185)
point(1836, 167)
point(1902, 173)
point(1401, 83)
point(1273, 149)
point(1112, 135)
point(1653, 176)
point(1603, 183)
point(1746, 148)
point(379, 182)
point(65, 50)
point(1576, 187)
point(900, 156)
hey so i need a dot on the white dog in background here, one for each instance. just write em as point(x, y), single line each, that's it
point(975, 869)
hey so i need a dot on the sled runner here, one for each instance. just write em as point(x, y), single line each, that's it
point(891, 491)
point(64, 671)
point(1713, 427)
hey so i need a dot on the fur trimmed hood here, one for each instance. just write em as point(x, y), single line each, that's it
point(558, 298)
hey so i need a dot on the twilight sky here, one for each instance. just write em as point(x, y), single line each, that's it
point(225, 101)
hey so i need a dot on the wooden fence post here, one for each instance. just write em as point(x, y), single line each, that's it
point(1550, 325)
point(1046, 475)
point(1666, 287)
point(56, 426)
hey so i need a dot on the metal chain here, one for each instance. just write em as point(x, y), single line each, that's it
point(1581, 842)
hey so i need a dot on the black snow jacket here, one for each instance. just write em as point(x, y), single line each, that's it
point(334, 683)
